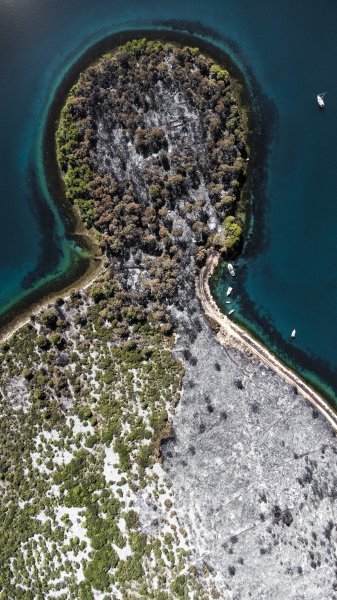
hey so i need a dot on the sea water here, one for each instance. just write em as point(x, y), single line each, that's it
point(287, 276)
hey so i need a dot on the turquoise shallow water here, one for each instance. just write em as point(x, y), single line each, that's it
point(287, 276)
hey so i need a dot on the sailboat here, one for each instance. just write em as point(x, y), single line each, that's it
point(320, 100)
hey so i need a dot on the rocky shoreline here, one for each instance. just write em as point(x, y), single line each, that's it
point(232, 334)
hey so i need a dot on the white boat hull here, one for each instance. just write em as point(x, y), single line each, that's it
point(231, 269)
point(320, 101)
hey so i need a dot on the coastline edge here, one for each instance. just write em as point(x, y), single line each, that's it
point(232, 333)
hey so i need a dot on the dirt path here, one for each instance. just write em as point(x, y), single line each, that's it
point(231, 333)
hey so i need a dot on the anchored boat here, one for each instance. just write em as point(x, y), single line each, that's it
point(229, 291)
point(231, 269)
point(293, 333)
point(320, 100)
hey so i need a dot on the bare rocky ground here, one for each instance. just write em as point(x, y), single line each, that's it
point(254, 474)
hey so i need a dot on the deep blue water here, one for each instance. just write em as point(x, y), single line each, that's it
point(288, 274)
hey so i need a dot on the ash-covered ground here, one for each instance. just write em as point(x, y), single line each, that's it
point(254, 473)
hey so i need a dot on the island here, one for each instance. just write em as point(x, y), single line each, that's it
point(144, 455)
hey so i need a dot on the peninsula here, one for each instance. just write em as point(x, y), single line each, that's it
point(151, 146)
point(139, 457)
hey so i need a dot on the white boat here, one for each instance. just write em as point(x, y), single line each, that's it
point(231, 269)
point(293, 333)
point(229, 291)
point(231, 311)
point(320, 100)
point(228, 302)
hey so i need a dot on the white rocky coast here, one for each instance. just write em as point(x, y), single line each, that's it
point(254, 472)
